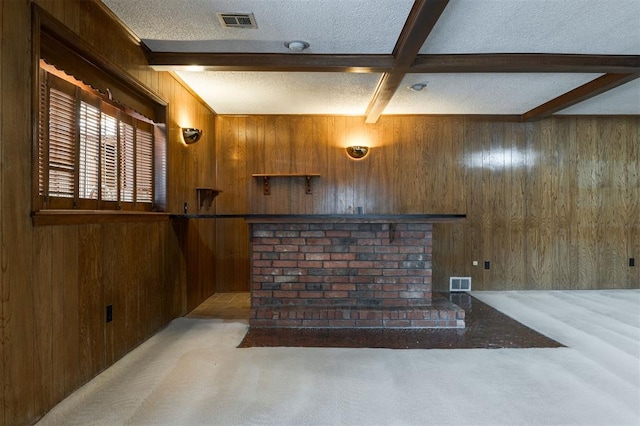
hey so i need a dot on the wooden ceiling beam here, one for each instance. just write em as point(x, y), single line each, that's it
point(419, 24)
point(579, 94)
point(440, 63)
point(282, 62)
point(525, 62)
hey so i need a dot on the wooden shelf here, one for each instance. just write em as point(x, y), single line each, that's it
point(266, 189)
point(206, 196)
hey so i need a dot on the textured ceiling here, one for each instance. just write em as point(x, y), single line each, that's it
point(283, 93)
point(330, 26)
point(372, 27)
point(537, 26)
point(482, 93)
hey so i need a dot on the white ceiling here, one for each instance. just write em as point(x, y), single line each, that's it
point(605, 27)
point(537, 26)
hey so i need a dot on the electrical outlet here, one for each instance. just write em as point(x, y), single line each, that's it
point(632, 261)
point(487, 264)
point(109, 313)
point(475, 263)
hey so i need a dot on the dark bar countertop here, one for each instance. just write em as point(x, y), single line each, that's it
point(331, 218)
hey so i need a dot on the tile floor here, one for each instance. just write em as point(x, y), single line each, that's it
point(226, 306)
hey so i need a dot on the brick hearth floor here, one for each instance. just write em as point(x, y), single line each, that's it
point(486, 328)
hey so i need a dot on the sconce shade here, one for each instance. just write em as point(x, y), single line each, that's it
point(191, 135)
point(357, 152)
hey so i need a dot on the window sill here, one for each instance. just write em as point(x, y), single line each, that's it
point(83, 217)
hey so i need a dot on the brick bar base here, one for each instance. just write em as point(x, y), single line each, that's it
point(337, 275)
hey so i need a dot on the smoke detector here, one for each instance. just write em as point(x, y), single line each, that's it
point(237, 20)
point(296, 46)
point(418, 87)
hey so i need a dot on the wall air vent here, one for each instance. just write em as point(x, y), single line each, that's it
point(237, 20)
point(459, 284)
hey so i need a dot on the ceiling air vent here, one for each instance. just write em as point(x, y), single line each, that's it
point(237, 20)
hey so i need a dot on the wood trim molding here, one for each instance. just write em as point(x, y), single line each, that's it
point(47, 25)
point(579, 94)
point(81, 217)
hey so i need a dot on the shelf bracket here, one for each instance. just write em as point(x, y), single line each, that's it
point(266, 189)
point(308, 188)
point(206, 196)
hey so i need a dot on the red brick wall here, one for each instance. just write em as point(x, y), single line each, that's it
point(342, 275)
point(345, 264)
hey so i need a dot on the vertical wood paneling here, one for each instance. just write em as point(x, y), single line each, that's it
point(3, 291)
point(318, 147)
point(612, 246)
point(499, 164)
point(193, 268)
point(57, 314)
point(232, 255)
point(18, 323)
point(588, 202)
point(563, 256)
point(69, 280)
point(117, 280)
point(340, 174)
point(383, 162)
point(545, 187)
point(270, 152)
point(256, 161)
point(57, 281)
point(473, 224)
point(517, 177)
point(91, 302)
point(357, 130)
point(152, 297)
point(43, 329)
point(545, 204)
point(301, 161)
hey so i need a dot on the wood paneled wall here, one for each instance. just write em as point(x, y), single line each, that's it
point(56, 281)
point(552, 204)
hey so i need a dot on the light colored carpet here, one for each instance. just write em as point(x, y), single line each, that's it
point(192, 373)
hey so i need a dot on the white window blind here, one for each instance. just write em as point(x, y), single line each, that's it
point(92, 154)
point(89, 151)
point(127, 162)
point(62, 152)
point(144, 157)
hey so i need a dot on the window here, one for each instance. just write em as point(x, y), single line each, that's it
point(100, 135)
point(93, 154)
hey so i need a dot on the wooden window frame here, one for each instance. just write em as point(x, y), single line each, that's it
point(51, 39)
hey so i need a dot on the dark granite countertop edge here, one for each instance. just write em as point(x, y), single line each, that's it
point(315, 218)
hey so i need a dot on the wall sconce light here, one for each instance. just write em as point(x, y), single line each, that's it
point(357, 152)
point(191, 135)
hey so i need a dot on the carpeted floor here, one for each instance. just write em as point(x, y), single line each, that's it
point(192, 373)
point(486, 327)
